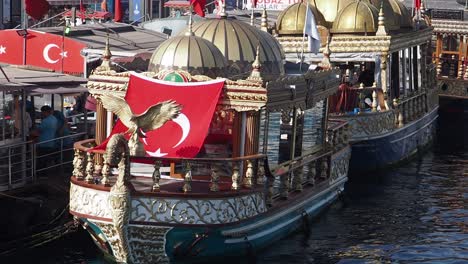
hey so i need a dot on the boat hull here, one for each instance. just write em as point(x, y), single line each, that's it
point(164, 229)
point(391, 148)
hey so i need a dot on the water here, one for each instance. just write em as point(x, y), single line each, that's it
point(417, 213)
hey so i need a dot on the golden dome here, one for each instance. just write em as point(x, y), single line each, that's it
point(406, 20)
point(190, 53)
point(357, 17)
point(330, 8)
point(391, 13)
point(238, 42)
point(291, 20)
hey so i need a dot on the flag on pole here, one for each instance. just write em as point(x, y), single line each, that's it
point(199, 7)
point(36, 8)
point(182, 136)
point(310, 29)
point(82, 12)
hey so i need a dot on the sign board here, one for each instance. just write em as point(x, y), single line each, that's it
point(272, 4)
point(447, 14)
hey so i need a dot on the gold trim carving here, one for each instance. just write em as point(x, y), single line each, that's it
point(187, 211)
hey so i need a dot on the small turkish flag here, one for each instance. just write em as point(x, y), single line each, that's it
point(184, 135)
point(37, 8)
point(199, 7)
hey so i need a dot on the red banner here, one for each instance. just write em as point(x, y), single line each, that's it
point(44, 50)
point(37, 8)
point(199, 7)
point(184, 135)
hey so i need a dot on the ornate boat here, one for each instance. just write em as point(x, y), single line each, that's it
point(270, 161)
point(388, 92)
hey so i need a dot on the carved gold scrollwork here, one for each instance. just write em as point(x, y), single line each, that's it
point(185, 211)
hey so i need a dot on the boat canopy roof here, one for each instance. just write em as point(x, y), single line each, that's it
point(14, 78)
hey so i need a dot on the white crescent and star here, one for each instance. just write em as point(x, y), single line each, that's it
point(45, 53)
point(2, 49)
point(184, 123)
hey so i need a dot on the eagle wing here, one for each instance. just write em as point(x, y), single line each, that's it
point(157, 115)
point(118, 106)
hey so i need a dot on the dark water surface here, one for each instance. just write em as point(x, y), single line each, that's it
point(416, 213)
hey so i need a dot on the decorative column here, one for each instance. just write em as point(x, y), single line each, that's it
point(384, 78)
point(101, 119)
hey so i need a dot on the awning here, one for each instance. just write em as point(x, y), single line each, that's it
point(94, 15)
point(56, 90)
point(71, 2)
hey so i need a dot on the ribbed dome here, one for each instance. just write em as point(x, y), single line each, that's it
point(330, 8)
point(190, 53)
point(406, 20)
point(357, 17)
point(392, 13)
point(291, 20)
point(238, 42)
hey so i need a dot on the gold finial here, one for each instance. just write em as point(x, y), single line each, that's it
point(256, 74)
point(252, 19)
point(107, 53)
point(264, 24)
point(189, 30)
point(106, 59)
point(256, 64)
point(325, 63)
point(223, 13)
point(381, 31)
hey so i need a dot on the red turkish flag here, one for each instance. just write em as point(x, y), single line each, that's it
point(37, 8)
point(184, 135)
point(44, 50)
point(199, 7)
point(54, 52)
point(11, 47)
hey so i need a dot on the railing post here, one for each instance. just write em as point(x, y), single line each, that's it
point(247, 180)
point(374, 101)
point(312, 172)
point(156, 176)
point(80, 166)
point(298, 179)
point(324, 168)
point(214, 178)
point(187, 178)
point(235, 177)
point(90, 167)
point(260, 172)
point(284, 184)
point(270, 190)
point(106, 171)
point(9, 169)
point(405, 111)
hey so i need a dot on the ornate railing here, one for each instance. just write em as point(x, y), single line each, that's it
point(226, 174)
point(244, 172)
point(410, 107)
